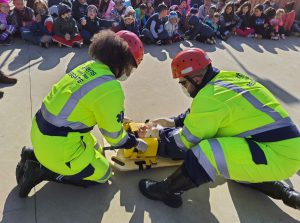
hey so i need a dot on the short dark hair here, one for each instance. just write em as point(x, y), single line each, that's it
point(143, 6)
point(161, 7)
point(113, 51)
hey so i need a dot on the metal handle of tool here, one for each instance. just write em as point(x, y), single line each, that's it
point(114, 148)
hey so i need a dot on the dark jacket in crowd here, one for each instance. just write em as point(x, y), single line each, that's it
point(226, 21)
point(95, 25)
point(25, 15)
point(244, 21)
point(39, 28)
point(198, 27)
point(134, 27)
point(62, 26)
point(155, 22)
point(257, 23)
point(79, 10)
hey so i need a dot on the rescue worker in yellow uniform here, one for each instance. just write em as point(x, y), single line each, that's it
point(64, 149)
point(234, 128)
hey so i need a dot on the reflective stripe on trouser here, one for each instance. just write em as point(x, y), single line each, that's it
point(70, 155)
point(232, 158)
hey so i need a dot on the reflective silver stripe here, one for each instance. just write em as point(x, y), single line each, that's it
point(189, 136)
point(204, 162)
point(250, 98)
point(113, 135)
point(178, 140)
point(219, 157)
point(61, 119)
point(122, 141)
point(106, 175)
point(278, 124)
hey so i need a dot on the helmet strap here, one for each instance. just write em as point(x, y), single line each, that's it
point(207, 77)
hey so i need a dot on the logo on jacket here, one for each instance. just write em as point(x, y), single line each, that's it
point(120, 117)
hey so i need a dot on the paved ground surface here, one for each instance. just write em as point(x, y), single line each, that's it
point(149, 93)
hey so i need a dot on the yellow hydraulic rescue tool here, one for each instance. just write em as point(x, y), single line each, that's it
point(132, 159)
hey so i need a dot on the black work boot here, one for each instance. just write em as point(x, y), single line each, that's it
point(169, 190)
point(279, 191)
point(34, 173)
point(26, 154)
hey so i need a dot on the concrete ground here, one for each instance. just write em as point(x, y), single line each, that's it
point(150, 93)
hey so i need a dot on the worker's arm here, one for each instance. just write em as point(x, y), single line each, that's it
point(200, 123)
point(206, 117)
point(109, 113)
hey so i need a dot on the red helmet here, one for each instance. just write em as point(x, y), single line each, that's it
point(189, 61)
point(135, 45)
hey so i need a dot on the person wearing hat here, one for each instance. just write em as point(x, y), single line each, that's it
point(64, 149)
point(172, 28)
point(129, 21)
point(92, 24)
point(79, 9)
point(65, 28)
point(200, 31)
point(235, 128)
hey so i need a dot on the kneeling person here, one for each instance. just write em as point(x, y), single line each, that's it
point(234, 128)
point(64, 149)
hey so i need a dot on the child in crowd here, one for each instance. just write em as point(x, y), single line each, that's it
point(200, 31)
point(296, 26)
point(154, 31)
point(7, 23)
point(289, 17)
point(266, 5)
point(149, 10)
point(129, 21)
point(105, 9)
point(172, 28)
point(79, 9)
point(65, 28)
point(24, 16)
point(183, 8)
point(243, 27)
point(185, 23)
point(92, 24)
point(40, 32)
point(140, 14)
point(210, 14)
point(205, 8)
point(220, 5)
point(274, 4)
point(258, 22)
point(228, 21)
point(214, 24)
point(277, 24)
point(118, 11)
point(270, 14)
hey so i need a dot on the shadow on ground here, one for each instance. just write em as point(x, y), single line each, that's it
point(64, 203)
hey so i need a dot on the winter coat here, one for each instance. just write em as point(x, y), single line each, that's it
point(79, 10)
point(44, 27)
point(95, 25)
point(198, 27)
point(26, 15)
point(62, 26)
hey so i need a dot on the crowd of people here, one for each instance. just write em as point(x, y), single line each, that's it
point(73, 23)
